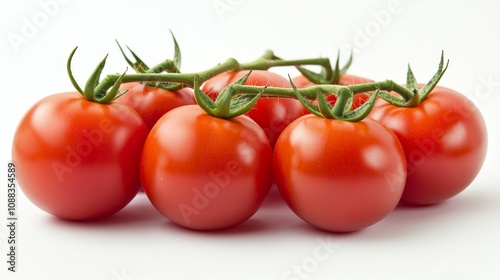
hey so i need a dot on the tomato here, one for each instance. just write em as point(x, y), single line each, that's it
point(445, 142)
point(345, 80)
point(272, 114)
point(203, 172)
point(76, 159)
point(152, 102)
point(337, 175)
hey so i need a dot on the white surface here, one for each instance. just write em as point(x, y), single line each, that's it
point(455, 240)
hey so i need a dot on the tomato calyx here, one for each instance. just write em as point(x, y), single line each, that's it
point(342, 108)
point(327, 76)
point(413, 95)
point(229, 103)
point(92, 91)
point(168, 66)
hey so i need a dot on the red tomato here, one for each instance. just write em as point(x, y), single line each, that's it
point(203, 172)
point(445, 142)
point(76, 159)
point(345, 80)
point(152, 102)
point(337, 175)
point(272, 114)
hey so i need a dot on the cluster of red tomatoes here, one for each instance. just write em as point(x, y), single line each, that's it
point(82, 160)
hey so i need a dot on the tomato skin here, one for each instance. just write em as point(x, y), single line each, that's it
point(76, 159)
point(203, 172)
point(152, 102)
point(272, 114)
point(345, 80)
point(445, 142)
point(337, 175)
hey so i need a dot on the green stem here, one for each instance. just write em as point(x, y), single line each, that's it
point(262, 63)
point(182, 78)
point(229, 64)
point(387, 85)
point(310, 92)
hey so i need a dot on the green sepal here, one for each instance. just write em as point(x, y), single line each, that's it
point(426, 90)
point(348, 105)
point(223, 103)
point(129, 62)
point(114, 92)
point(223, 100)
point(227, 104)
point(93, 81)
point(342, 108)
point(92, 90)
point(414, 101)
point(362, 111)
point(177, 52)
point(313, 109)
point(394, 100)
point(203, 100)
point(139, 63)
point(241, 104)
point(224, 107)
point(139, 66)
point(169, 66)
point(166, 86)
point(327, 75)
point(70, 73)
point(413, 96)
point(336, 72)
point(324, 107)
point(312, 76)
point(339, 72)
point(411, 81)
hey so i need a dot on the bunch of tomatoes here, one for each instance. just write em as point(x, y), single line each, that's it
point(83, 160)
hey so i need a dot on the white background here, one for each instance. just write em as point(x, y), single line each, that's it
point(455, 240)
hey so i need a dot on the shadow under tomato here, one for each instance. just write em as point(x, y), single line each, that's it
point(251, 227)
point(273, 199)
point(139, 212)
point(411, 220)
point(305, 228)
point(408, 220)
